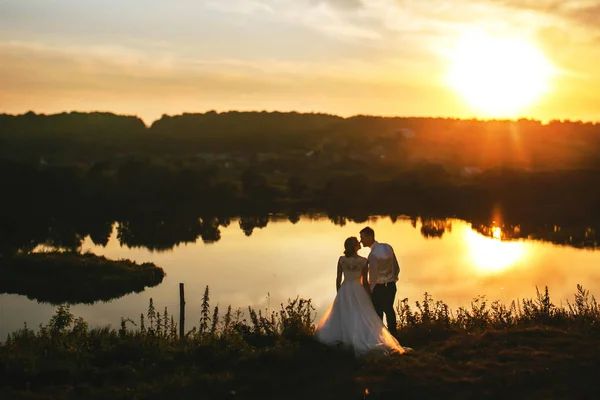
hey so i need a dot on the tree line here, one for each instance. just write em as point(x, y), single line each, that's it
point(395, 142)
point(158, 206)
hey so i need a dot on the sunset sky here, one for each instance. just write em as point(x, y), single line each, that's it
point(382, 57)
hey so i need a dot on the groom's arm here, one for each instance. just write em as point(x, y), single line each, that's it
point(372, 269)
point(396, 264)
point(365, 277)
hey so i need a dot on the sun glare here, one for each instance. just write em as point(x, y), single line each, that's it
point(492, 255)
point(498, 76)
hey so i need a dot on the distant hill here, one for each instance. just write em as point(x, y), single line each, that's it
point(527, 144)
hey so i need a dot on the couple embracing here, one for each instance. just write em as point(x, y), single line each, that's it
point(355, 319)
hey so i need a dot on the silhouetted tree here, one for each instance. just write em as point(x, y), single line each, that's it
point(296, 187)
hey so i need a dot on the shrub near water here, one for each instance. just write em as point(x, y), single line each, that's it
point(582, 315)
point(69, 277)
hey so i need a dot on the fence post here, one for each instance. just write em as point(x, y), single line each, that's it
point(181, 311)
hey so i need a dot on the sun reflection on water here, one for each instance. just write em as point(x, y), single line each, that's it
point(493, 255)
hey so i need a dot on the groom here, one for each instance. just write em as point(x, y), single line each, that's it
point(383, 275)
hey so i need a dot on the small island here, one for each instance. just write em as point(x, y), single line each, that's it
point(59, 277)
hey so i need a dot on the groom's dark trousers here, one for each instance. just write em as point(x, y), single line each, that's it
point(383, 300)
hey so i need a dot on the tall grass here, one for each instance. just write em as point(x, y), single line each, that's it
point(67, 349)
point(237, 345)
point(581, 315)
point(295, 322)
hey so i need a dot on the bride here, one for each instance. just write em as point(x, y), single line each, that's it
point(351, 320)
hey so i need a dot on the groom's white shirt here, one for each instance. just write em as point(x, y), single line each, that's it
point(383, 265)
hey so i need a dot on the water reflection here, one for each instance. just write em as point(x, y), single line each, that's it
point(165, 229)
point(573, 236)
point(491, 254)
point(285, 259)
point(433, 228)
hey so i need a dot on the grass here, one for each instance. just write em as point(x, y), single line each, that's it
point(529, 349)
point(70, 277)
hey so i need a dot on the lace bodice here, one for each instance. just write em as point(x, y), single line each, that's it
point(352, 267)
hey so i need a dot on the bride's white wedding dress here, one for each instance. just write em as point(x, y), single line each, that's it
point(351, 320)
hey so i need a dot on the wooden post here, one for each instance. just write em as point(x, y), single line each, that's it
point(181, 311)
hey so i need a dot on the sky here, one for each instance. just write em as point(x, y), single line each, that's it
point(345, 57)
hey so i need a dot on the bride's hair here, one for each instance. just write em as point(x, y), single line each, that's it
point(350, 246)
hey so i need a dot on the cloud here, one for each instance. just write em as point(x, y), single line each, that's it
point(240, 6)
point(379, 23)
point(576, 11)
point(330, 20)
point(523, 14)
point(349, 5)
point(549, 6)
point(122, 70)
point(131, 81)
point(554, 37)
point(574, 54)
point(341, 19)
point(589, 15)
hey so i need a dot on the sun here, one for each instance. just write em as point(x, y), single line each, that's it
point(493, 255)
point(498, 76)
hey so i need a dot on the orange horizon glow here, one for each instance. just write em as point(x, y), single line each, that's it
point(383, 58)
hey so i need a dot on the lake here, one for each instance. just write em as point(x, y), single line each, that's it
point(283, 260)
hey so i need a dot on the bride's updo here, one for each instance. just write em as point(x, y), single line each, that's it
point(350, 246)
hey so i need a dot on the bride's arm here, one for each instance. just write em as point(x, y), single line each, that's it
point(338, 279)
point(365, 280)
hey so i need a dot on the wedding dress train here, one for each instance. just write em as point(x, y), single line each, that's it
point(351, 320)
